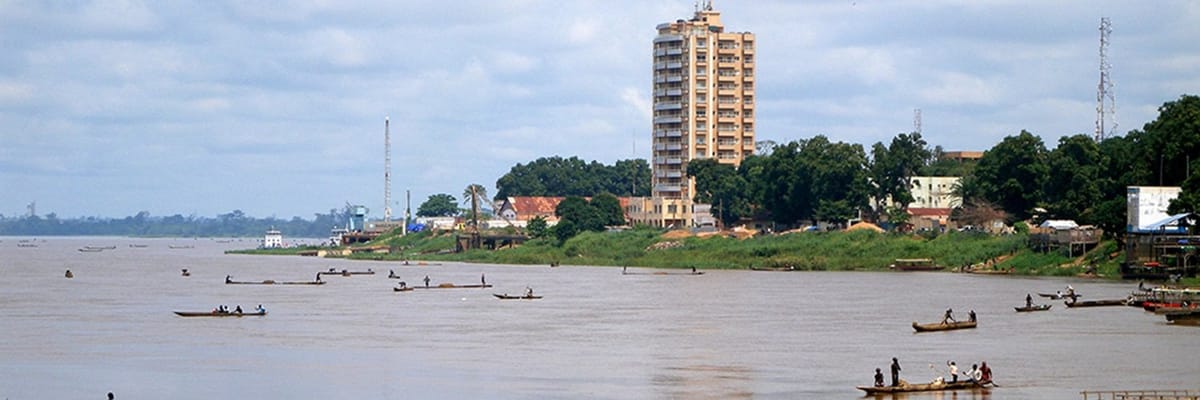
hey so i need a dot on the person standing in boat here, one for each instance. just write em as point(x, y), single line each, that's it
point(1028, 300)
point(426, 280)
point(895, 372)
point(985, 373)
point(953, 371)
point(949, 317)
point(878, 378)
point(971, 316)
point(482, 279)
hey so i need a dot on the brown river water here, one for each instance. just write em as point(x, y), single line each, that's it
point(597, 334)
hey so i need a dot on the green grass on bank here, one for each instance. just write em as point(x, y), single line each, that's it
point(810, 251)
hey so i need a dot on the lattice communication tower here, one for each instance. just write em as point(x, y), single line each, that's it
point(1106, 100)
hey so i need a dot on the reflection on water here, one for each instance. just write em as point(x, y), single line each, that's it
point(596, 334)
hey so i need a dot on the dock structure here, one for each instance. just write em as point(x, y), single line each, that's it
point(1170, 394)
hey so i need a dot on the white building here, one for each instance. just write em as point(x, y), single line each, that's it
point(273, 239)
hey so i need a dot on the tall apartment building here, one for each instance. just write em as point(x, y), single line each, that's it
point(703, 107)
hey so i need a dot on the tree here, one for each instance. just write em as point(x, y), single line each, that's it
point(839, 178)
point(721, 186)
point(608, 209)
point(537, 227)
point(1172, 141)
point(475, 194)
point(557, 176)
point(1012, 174)
point(1073, 190)
point(1189, 196)
point(893, 167)
point(582, 215)
point(438, 205)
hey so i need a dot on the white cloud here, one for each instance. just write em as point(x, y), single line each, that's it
point(304, 86)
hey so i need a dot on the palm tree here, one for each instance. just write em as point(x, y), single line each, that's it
point(475, 193)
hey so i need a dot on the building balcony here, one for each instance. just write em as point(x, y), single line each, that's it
point(667, 188)
point(668, 120)
point(672, 105)
point(667, 38)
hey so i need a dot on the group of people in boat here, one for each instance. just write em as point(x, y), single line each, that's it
point(949, 317)
point(979, 374)
point(222, 309)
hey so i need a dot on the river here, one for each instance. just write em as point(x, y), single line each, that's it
point(597, 334)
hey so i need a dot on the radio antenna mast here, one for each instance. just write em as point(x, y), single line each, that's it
point(1106, 98)
point(387, 170)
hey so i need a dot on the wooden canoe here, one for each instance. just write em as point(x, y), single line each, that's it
point(347, 273)
point(403, 289)
point(453, 286)
point(1036, 307)
point(219, 314)
point(938, 326)
point(922, 387)
point(1095, 303)
point(273, 282)
point(507, 297)
point(1058, 296)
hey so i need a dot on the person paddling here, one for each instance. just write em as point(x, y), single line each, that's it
point(949, 317)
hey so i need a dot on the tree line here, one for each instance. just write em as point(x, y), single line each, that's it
point(817, 180)
point(233, 224)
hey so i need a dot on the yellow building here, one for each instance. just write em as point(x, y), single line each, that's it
point(703, 107)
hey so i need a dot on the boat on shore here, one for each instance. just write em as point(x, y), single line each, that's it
point(775, 269)
point(915, 264)
point(922, 387)
point(1095, 303)
point(1035, 307)
point(948, 326)
point(220, 314)
point(507, 297)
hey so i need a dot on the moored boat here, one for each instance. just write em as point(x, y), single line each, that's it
point(915, 264)
point(922, 387)
point(938, 326)
point(1095, 303)
point(1036, 307)
point(220, 314)
point(507, 297)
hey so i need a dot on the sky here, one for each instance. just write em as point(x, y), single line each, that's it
point(277, 108)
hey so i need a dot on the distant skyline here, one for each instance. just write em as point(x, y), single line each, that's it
point(200, 108)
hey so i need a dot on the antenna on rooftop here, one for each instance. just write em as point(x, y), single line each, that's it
point(1106, 98)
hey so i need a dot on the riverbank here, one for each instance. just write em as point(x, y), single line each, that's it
point(809, 251)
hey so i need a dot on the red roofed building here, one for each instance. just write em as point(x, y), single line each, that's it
point(525, 208)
